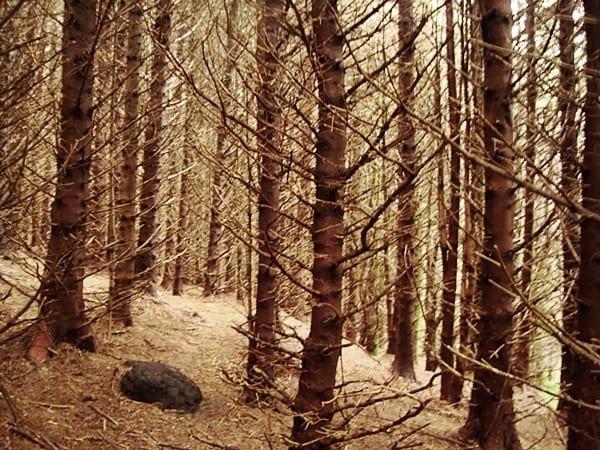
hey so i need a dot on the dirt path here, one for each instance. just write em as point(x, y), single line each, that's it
point(74, 402)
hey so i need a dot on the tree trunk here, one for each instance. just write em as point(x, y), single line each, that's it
point(491, 415)
point(583, 420)
point(368, 309)
point(567, 107)
point(524, 328)
point(314, 403)
point(405, 289)
point(9, 155)
point(449, 384)
point(146, 260)
point(63, 308)
point(123, 286)
point(182, 221)
point(215, 232)
point(472, 193)
point(261, 357)
point(436, 247)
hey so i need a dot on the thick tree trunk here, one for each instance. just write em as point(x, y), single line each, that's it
point(491, 415)
point(123, 286)
point(146, 260)
point(405, 289)
point(583, 420)
point(314, 403)
point(567, 107)
point(449, 390)
point(262, 353)
point(62, 312)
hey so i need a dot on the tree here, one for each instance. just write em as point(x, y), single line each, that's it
point(184, 200)
point(314, 406)
point(449, 385)
point(146, 260)
point(584, 417)
point(261, 355)
point(404, 289)
point(491, 415)
point(8, 155)
point(123, 286)
point(215, 230)
point(567, 108)
point(62, 312)
point(524, 329)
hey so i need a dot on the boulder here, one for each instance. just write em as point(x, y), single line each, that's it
point(153, 382)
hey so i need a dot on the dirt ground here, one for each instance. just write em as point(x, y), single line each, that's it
point(73, 401)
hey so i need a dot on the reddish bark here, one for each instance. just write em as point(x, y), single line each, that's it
point(404, 289)
point(261, 357)
point(449, 390)
point(491, 415)
point(146, 260)
point(123, 286)
point(182, 222)
point(524, 328)
point(567, 108)
point(584, 420)
point(314, 403)
point(215, 228)
point(62, 313)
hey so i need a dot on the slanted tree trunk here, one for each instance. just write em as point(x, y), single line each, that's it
point(261, 355)
point(62, 312)
point(584, 420)
point(215, 230)
point(524, 328)
point(123, 286)
point(314, 403)
point(405, 289)
point(491, 414)
point(567, 108)
point(449, 384)
point(146, 260)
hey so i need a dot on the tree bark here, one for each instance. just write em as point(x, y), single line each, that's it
point(261, 357)
point(567, 107)
point(314, 403)
point(473, 191)
point(524, 328)
point(9, 156)
point(449, 389)
point(584, 420)
point(491, 415)
point(146, 260)
point(123, 287)
point(215, 230)
point(405, 289)
point(62, 313)
point(182, 221)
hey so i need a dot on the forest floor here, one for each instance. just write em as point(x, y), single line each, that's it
point(73, 401)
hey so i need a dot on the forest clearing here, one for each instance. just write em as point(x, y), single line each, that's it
point(74, 401)
point(353, 224)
